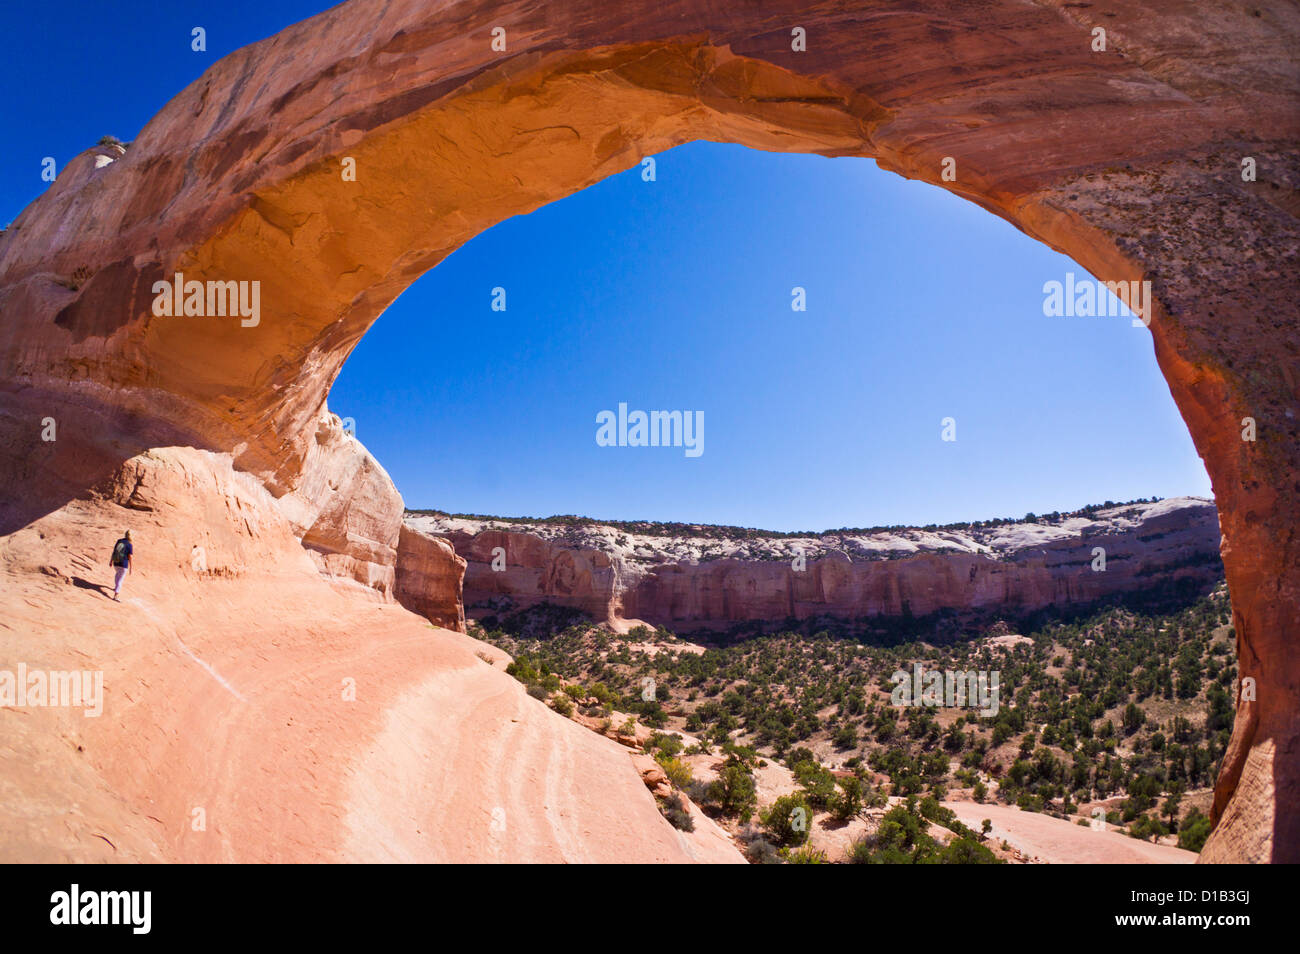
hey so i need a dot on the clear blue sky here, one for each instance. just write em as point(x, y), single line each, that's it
point(675, 294)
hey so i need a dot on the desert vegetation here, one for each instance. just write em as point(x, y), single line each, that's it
point(1123, 713)
point(661, 528)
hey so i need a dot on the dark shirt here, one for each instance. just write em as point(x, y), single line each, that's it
point(126, 554)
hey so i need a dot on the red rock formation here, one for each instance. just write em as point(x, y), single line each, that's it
point(343, 507)
point(430, 577)
point(534, 570)
point(1129, 160)
point(614, 574)
point(253, 712)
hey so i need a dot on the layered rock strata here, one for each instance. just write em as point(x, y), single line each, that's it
point(615, 573)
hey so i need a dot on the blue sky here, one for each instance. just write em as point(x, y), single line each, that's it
point(676, 295)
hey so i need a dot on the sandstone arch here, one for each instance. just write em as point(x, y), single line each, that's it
point(1127, 160)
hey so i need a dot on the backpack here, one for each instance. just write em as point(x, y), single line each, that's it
point(119, 553)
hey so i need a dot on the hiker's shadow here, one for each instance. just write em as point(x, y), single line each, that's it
point(87, 585)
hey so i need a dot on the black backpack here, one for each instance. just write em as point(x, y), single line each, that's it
point(119, 552)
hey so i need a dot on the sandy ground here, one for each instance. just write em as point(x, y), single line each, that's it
point(1032, 837)
point(1054, 841)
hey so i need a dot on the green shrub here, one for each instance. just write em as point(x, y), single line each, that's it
point(760, 851)
point(678, 772)
point(847, 803)
point(1193, 831)
point(967, 851)
point(669, 745)
point(805, 856)
point(674, 809)
point(818, 783)
point(733, 791)
point(788, 820)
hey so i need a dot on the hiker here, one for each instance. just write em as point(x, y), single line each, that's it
point(121, 561)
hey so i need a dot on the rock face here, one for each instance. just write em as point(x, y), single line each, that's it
point(614, 574)
point(343, 509)
point(588, 576)
point(1129, 159)
point(253, 712)
point(430, 577)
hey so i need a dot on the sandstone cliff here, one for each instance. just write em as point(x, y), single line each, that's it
point(254, 711)
point(345, 509)
point(430, 579)
point(615, 573)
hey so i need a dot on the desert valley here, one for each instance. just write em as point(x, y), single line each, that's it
point(1117, 705)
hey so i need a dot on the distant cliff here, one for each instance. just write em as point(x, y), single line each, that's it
point(428, 579)
point(710, 577)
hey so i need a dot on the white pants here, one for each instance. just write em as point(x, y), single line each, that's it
point(118, 576)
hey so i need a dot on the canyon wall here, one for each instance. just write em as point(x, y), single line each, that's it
point(615, 574)
point(533, 570)
point(430, 579)
point(1127, 158)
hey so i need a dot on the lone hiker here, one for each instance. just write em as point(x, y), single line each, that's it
point(121, 561)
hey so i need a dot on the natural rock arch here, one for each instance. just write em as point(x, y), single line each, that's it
point(1128, 160)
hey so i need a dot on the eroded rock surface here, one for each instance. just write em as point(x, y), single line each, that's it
point(252, 711)
point(614, 573)
point(430, 579)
